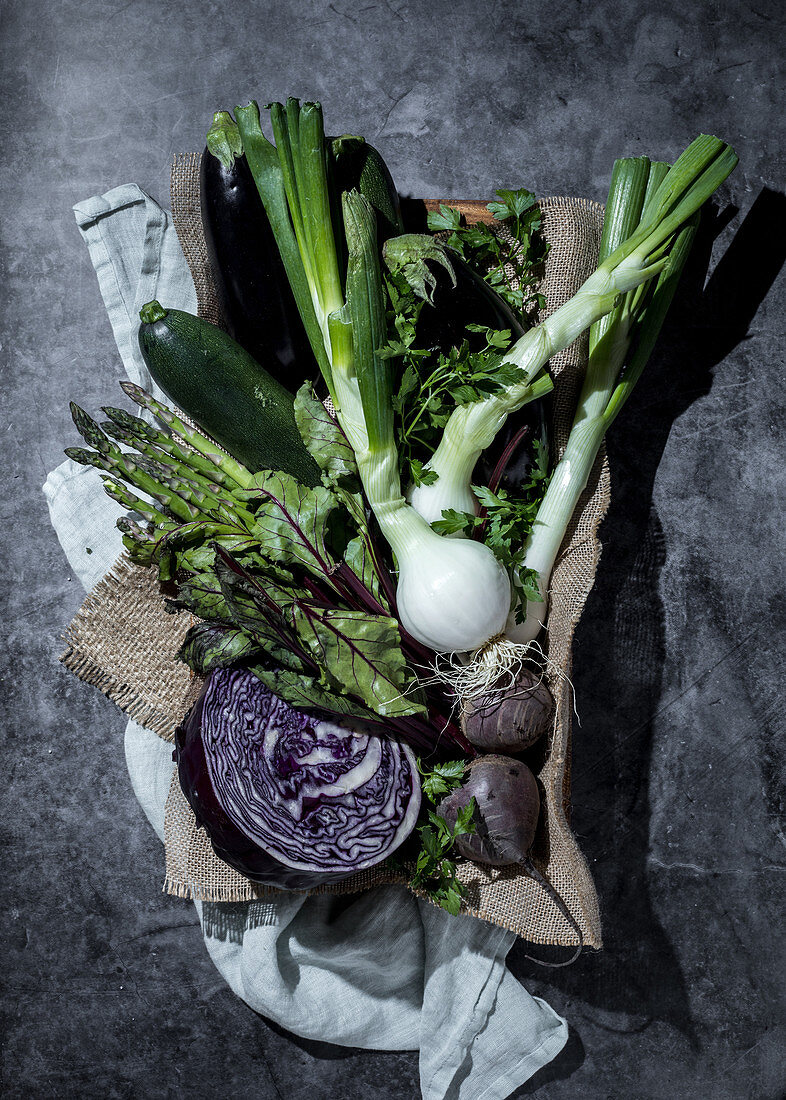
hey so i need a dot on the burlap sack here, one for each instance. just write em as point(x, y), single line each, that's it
point(122, 641)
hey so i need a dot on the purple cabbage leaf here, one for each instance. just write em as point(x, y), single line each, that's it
point(289, 799)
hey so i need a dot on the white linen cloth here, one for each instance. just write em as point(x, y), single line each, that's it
point(379, 970)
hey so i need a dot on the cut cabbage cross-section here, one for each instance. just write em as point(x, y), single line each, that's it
point(286, 798)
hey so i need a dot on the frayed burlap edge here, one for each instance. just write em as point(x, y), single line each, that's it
point(122, 617)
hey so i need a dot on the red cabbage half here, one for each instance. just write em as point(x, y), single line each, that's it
point(286, 798)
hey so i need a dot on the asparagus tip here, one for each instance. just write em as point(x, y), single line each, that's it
point(89, 429)
point(80, 455)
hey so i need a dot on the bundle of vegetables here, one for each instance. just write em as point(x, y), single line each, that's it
point(325, 592)
point(283, 576)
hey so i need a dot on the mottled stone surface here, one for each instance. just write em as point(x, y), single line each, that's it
point(677, 764)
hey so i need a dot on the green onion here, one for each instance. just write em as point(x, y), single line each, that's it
point(620, 344)
point(451, 595)
point(639, 257)
point(267, 169)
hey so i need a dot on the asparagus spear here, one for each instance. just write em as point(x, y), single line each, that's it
point(174, 484)
point(134, 503)
point(176, 505)
point(137, 433)
point(189, 435)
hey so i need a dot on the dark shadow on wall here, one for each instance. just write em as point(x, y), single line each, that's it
point(620, 645)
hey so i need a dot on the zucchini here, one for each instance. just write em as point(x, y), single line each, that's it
point(215, 382)
point(359, 166)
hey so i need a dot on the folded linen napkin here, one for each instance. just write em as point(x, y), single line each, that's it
point(380, 970)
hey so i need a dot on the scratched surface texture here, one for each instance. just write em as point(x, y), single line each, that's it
point(107, 989)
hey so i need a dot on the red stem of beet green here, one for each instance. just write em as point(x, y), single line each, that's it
point(497, 475)
point(505, 457)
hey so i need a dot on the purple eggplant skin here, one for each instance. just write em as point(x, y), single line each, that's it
point(256, 301)
point(441, 324)
point(507, 804)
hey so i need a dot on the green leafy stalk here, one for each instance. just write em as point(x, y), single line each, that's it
point(627, 191)
point(696, 174)
point(293, 179)
point(650, 321)
point(366, 310)
point(312, 160)
point(274, 173)
point(620, 345)
point(366, 393)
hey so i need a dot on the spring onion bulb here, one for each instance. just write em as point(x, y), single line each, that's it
point(451, 596)
point(634, 261)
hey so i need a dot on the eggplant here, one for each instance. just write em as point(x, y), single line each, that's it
point(251, 284)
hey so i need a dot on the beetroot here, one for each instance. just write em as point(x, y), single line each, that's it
point(507, 806)
point(512, 723)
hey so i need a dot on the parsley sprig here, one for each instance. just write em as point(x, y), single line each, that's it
point(513, 267)
point(504, 523)
point(442, 779)
point(433, 383)
point(435, 872)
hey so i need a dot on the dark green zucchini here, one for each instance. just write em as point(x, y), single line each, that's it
point(224, 391)
point(359, 166)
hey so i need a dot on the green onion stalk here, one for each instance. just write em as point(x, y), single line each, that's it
point(651, 219)
point(634, 260)
point(619, 346)
point(451, 596)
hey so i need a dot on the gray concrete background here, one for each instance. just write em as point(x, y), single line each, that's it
point(108, 991)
